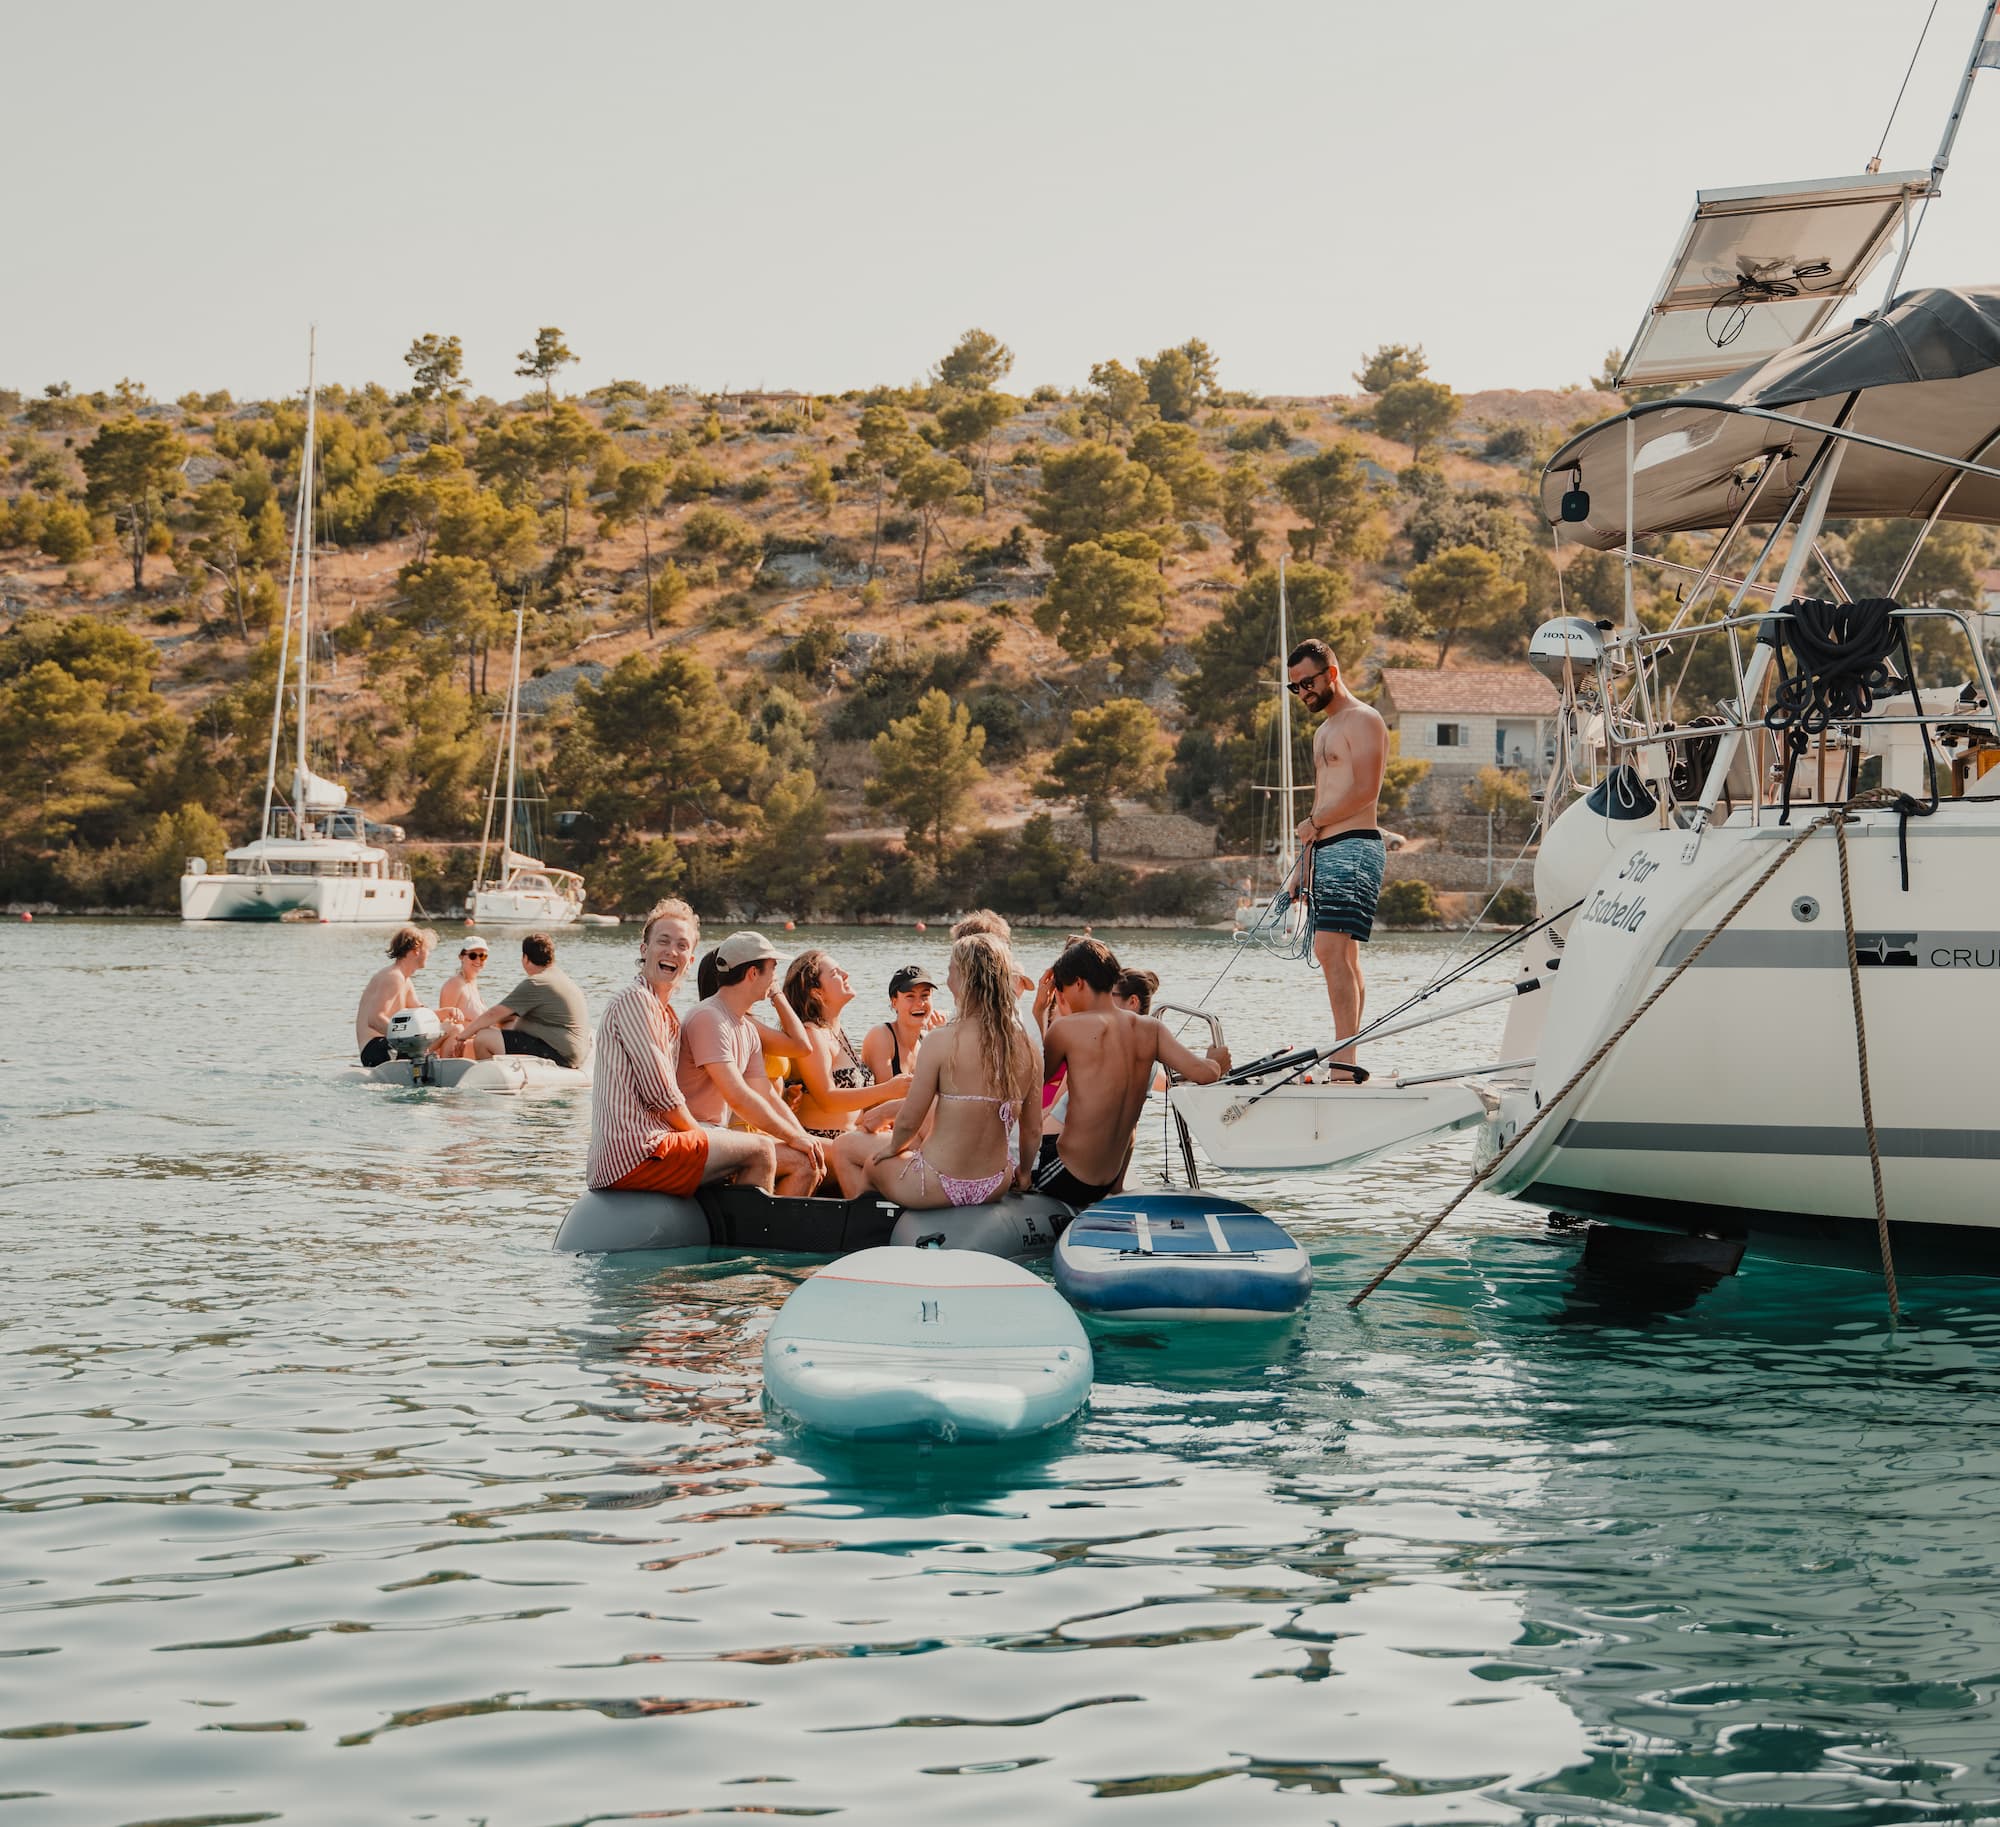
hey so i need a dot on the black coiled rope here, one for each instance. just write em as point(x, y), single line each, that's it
point(1842, 652)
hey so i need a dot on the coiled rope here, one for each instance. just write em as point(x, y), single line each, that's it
point(1837, 818)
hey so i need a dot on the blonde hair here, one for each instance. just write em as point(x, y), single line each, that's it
point(983, 920)
point(986, 1003)
point(670, 910)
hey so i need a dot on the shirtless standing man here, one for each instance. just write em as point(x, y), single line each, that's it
point(1343, 851)
point(1111, 1053)
point(390, 991)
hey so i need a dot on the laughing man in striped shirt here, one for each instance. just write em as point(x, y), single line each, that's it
point(642, 1137)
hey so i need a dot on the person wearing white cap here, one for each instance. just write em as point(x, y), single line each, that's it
point(721, 1070)
point(461, 989)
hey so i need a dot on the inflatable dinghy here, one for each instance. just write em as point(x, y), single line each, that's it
point(506, 1075)
point(902, 1344)
point(723, 1217)
point(1181, 1256)
point(413, 1037)
point(1022, 1224)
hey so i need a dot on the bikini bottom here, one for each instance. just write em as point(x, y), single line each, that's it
point(962, 1192)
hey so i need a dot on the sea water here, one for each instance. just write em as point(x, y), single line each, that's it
point(329, 1494)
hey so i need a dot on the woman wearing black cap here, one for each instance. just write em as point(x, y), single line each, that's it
point(890, 1048)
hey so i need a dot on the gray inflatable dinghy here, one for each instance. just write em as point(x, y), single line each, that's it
point(1022, 1224)
point(738, 1218)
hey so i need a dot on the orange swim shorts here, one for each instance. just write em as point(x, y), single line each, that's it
point(676, 1166)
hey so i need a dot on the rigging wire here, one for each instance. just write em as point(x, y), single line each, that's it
point(1875, 164)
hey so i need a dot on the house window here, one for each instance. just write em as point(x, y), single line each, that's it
point(1451, 736)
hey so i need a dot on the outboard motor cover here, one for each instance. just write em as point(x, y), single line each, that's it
point(413, 1033)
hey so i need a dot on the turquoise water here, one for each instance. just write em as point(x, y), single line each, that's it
point(330, 1494)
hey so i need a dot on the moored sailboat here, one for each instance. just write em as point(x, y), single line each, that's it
point(310, 858)
point(526, 891)
point(1772, 920)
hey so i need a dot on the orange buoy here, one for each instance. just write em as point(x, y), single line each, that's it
point(920, 926)
point(28, 917)
point(789, 927)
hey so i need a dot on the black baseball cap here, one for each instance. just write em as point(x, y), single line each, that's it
point(910, 977)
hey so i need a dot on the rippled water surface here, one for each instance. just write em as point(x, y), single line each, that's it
point(330, 1494)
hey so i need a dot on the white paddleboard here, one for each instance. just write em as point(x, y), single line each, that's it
point(906, 1344)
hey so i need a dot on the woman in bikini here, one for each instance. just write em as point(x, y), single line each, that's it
point(982, 1074)
point(839, 1090)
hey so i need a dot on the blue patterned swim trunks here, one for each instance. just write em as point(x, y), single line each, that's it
point(1347, 882)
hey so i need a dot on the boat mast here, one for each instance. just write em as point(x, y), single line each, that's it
point(1288, 846)
point(285, 637)
point(486, 829)
point(1985, 56)
point(306, 568)
point(513, 737)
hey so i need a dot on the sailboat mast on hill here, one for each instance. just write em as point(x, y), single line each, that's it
point(526, 892)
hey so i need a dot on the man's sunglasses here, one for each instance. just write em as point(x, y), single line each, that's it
point(1297, 686)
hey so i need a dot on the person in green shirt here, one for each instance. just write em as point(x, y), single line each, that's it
point(544, 1014)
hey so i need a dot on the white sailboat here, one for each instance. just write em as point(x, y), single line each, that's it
point(1778, 956)
point(301, 863)
point(526, 892)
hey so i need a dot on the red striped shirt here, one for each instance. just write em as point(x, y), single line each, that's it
point(633, 1082)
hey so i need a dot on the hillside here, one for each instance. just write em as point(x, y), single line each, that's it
point(1038, 560)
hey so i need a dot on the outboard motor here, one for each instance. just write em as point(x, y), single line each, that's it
point(413, 1033)
point(1565, 649)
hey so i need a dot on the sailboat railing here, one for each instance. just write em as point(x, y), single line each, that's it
point(1625, 735)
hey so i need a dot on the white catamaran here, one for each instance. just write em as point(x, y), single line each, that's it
point(526, 892)
point(1767, 953)
point(310, 858)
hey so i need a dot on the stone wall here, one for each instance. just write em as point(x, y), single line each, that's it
point(1160, 834)
point(1451, 869)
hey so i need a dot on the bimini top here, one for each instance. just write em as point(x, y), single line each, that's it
point(1927, 375)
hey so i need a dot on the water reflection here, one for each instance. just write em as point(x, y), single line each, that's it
point(332, 1494)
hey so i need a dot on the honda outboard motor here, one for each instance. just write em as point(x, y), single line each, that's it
point(413, 1033)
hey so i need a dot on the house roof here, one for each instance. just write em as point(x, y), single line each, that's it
point(1500, 691)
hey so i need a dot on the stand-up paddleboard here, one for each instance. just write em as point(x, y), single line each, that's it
point(727, 1217)
point(1022, 1224)
point(1181, 1256)
point(902, 1344)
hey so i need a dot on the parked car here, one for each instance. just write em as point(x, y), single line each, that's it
point(350, 821)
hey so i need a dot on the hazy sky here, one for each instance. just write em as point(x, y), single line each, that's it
point(823, 196)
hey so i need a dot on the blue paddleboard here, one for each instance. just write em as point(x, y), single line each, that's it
point(1180, 1256)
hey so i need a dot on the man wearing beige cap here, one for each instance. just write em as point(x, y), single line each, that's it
point(721, 1070)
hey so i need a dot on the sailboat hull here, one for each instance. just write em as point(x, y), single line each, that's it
point(1734, 1103)
point(333, 900)
point(522, 907)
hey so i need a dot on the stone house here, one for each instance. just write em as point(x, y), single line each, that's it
point(1467, 719)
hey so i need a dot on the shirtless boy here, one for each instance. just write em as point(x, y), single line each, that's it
point(1111, 1053)
point(1343, 848)
point(390, 991)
